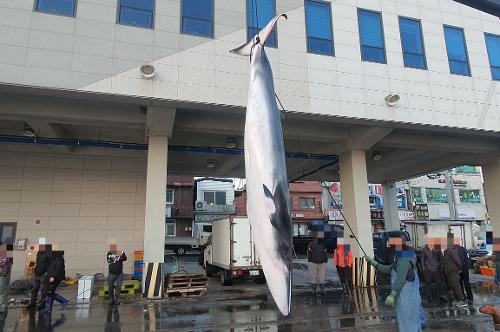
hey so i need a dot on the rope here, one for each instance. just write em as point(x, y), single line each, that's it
point(318, 171)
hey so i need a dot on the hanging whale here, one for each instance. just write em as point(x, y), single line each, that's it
point(268, 205)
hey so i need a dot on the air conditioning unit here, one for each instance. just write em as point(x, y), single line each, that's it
point(200, 205)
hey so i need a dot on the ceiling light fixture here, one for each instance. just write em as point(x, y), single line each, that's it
point(376, 156)
point(230, 143)
point(28, 131)
point(148, 71)
point(392, 99)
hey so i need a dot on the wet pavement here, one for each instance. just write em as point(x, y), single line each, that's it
point(247, 306)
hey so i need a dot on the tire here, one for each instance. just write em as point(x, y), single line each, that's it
point(210, 270)
point(180, 251)
point(225, 278)
point(262, 279)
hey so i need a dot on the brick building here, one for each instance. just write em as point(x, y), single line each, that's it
point(180, 206)
point(306, 204)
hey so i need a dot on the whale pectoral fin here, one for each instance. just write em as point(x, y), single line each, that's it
point(261, 37)
point(270, 205)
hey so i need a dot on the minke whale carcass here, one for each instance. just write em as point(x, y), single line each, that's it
point(268, 205)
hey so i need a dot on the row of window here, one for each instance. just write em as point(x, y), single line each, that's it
point(211, 197)
point(437, 195)
point(197, 19)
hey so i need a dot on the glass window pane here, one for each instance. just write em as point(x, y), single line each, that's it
point(319, 46)
point(455, 44)
point(318, 20)
point(414, 61)
point(139, 4)
point(197, 9)
point(372, 54)
point(136, 17)
point(64, 7)
point(259, 13)
point(436, 195)
point(411, 36)
point(220, 197)
point(469, 196)
point(458, 67)
point(370, 29)
point(493, 46)
point(209, 197)
point(197, 27)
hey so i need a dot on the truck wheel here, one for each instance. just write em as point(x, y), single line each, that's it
point(261, 279)
point(180, 251)
point(225, 278)
point(210, 270)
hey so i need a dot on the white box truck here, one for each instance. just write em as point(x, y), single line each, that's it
point(231, 252)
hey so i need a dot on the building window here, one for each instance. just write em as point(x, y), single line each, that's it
point(493, 46)
point(319, 27)
point(457, 51)
point(170, 229)
point(136, 12)
point(466, 169)
point(61, 7)
point(215, 197)
point(412, 43)
point(197, 17)
point(259, 13)
point(307, 203)
point(416, 195)
point(371, 36)
point(469, 196)
point(170, 196)
point(435, 195)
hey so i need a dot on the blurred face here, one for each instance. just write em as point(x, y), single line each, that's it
point(41, 247)
point(3, 250)
point(456, 241)
point(396, 242)
point(113, 247)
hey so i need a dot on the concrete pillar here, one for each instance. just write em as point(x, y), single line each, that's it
point(491, 176)
point(355, 201)
point(156, 184)
point(390, 201)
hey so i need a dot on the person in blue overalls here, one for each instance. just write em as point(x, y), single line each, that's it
point(405, 294)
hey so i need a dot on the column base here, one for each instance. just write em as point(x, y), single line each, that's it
point(153, 281)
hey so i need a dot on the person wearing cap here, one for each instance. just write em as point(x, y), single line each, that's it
point(405, 294)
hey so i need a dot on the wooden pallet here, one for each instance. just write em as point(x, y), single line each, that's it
point(186, 281)
point(184, 292)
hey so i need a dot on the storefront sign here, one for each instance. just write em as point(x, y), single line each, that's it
point(469, 196)
point(421, 211)
point(377, 215)
point(297, 215)
point(335, 215)
point(459, 183)
point(436, 195)
point(406, 216)
point(465, 213)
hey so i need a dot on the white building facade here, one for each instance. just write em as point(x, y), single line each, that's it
point(71, 74)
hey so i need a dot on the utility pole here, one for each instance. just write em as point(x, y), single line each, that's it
point(451, 194)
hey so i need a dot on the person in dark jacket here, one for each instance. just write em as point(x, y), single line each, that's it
point(452, 268)
point(431, 261)
point(56, 273)
point(115, 277)
point(464, 275)
point(318, 258)
point(39, 279)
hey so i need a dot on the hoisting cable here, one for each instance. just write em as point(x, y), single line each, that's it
point(318, 171)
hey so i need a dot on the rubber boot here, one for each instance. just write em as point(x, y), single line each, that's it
point(322, 287)
point(48, 305)
point(59, 298)
point(314, 288)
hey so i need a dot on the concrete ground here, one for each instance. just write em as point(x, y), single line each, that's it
point(246, 306)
